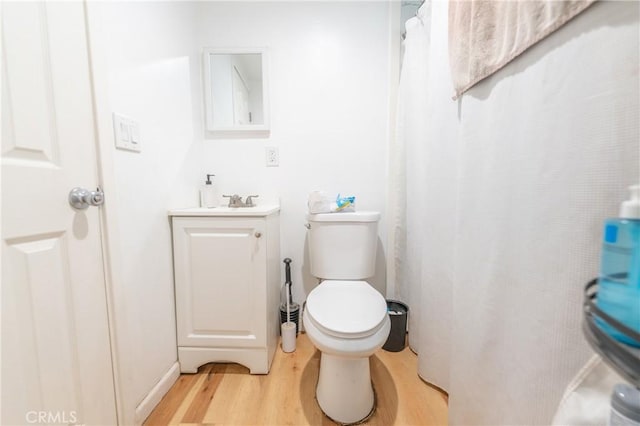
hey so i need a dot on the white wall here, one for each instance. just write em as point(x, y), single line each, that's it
point(329, 89)
point(153, 77)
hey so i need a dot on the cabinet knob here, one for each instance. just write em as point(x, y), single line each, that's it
point(258, 234)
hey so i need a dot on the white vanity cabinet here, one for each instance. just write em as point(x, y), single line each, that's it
point(227, 286)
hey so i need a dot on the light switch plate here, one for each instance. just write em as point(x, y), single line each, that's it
point(126, 132)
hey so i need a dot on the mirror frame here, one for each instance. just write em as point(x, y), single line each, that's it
point(249, 130)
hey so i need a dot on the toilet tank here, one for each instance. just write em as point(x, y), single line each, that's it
point(342, 246)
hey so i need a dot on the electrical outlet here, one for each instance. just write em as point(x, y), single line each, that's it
point(272, 157)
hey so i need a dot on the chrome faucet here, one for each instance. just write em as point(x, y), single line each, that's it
point(236, 201)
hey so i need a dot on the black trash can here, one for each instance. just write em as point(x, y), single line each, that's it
point(398, 312)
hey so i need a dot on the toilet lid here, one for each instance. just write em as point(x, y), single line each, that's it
point(346, 307)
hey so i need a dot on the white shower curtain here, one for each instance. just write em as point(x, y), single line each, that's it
point(505, 192)
point(410, 175)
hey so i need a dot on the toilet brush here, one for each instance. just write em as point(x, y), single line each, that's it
point(289, 305)
point(293, 314)
point(288, 329)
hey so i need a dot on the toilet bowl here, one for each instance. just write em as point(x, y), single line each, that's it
point(347, 321)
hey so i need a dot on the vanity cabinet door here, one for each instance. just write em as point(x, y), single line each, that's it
point(220, 273)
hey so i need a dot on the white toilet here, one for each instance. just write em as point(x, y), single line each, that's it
point(345, 317)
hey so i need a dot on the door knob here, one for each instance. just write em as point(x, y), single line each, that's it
point(81, 198)
point(258, 234)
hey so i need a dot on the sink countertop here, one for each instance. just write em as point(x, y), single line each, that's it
point(222, 211)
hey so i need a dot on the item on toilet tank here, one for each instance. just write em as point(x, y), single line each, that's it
point(321, 202)
point(345, 204)
point(619, 280)
point(208, 194)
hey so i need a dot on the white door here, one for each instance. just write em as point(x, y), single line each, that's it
point(56, 363)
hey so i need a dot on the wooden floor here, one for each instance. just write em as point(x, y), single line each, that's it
point(226, 394)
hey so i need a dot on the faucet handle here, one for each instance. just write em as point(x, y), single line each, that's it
point(249, 201)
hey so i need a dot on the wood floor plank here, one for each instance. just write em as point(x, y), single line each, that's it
point(164, 412)
point(226, 394)
point(188, 398)
point(239, 393)
point(201, 401)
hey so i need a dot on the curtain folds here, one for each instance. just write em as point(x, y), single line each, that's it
point(501, 200)
point(409, 176)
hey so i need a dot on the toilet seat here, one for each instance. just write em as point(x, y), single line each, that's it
point(346, 309)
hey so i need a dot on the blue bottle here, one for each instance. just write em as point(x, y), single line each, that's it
point(619, 284)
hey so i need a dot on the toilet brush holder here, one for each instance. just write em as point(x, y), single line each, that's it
point(288, 331)
point(294, 314)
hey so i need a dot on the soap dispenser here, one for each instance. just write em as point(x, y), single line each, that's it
point(208, 194)
point(619, 282)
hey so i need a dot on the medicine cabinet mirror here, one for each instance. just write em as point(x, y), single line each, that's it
point(236, 92)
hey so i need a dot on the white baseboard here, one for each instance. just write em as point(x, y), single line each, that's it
point(155, 395)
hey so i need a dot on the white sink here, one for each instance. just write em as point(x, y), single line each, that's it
point(259, 210)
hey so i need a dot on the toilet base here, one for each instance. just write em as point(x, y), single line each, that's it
point(344, 390)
